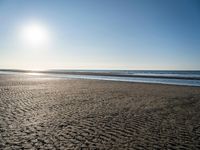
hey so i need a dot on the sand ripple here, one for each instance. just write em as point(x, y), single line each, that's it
point(43, 113)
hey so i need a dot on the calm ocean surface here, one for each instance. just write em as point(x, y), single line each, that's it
point(189, 78)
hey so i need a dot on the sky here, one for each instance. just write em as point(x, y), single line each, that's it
point(100, 34)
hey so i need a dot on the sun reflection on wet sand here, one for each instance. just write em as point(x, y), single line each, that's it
point(34, 74)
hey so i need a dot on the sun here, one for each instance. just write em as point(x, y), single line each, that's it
point(34, 35)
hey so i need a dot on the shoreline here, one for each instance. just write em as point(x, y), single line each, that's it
point(76, 72)
point(79, 75)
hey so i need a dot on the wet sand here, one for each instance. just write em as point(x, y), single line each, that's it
point(38, 112)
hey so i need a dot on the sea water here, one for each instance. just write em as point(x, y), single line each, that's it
point(188, 78)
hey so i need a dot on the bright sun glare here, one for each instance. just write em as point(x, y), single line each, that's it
point(34, 35)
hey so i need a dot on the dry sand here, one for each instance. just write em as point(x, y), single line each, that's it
point(51, 113)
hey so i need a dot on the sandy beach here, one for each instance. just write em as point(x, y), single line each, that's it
point(40, 112)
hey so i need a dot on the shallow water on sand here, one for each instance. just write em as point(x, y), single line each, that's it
point(137, 79)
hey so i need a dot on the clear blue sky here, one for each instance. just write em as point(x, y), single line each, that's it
point(104, 34)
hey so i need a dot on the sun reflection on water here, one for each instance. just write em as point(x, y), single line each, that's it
point(34, 73)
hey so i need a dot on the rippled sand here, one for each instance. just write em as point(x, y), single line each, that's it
point(38, 112)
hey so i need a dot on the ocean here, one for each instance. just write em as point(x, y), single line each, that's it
point(188, 78)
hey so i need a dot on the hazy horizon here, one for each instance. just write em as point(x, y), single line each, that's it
point(99, 35)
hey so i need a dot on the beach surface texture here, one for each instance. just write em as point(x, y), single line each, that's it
point(41, 112)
